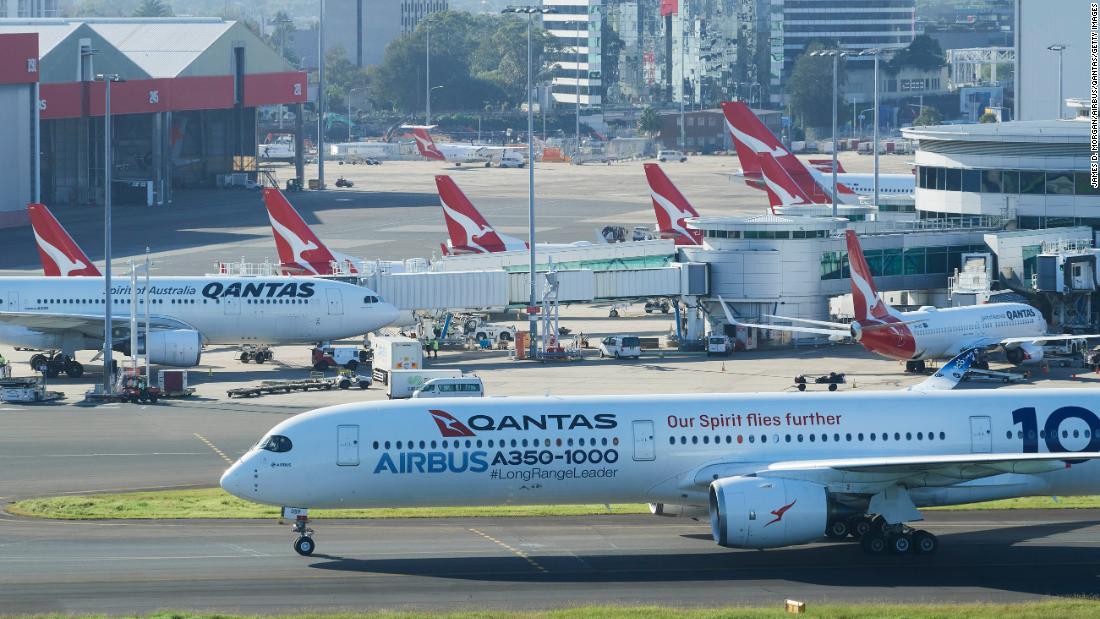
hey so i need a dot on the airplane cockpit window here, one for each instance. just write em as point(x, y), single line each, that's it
point(370, 300)
point(276, 443)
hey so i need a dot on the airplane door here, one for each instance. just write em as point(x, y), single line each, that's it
point(347, 445)
point(13, 301)
point(644, 445)
point(335, 303)
point(232, 306)
point(981, 435)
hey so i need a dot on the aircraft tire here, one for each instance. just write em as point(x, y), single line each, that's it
point(304, 546)
point(859, 527)
point(613, 313)
point(924, 543)
point(244, 357)
point(74, 369)
point(38, 361)
point(900, 544)
point(837, 529)
point(874, 544)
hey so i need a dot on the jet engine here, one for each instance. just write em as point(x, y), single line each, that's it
point(1024, 354)
point(673, 510)
point(176, 347)
point(753, 512)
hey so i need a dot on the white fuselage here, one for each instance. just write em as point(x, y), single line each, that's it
point(864, 184)
point(651, 448)
point(224, 310)
point(944, 333)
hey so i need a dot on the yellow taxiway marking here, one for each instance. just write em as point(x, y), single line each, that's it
point(214, 447)
point(515, 551)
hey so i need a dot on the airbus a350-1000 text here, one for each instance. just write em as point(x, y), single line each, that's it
point(770, 470)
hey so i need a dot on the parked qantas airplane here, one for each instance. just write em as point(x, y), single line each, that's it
point(752, 140)
point(930, 332)
point(457, 154)
point(60, 255)
point(66, 315)
point(300, 251)
point(671, 208)
point(770, 470)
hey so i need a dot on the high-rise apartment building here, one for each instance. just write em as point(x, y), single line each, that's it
point(363, 28)
point(577, 24)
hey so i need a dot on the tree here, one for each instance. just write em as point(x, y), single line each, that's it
point(811, 85)
point(923, 53)
point(341, 75)
point(153, 8)
point(282, 36)
point(649, 122)
point(928, 116)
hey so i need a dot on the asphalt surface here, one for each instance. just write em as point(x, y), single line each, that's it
point(511, 563)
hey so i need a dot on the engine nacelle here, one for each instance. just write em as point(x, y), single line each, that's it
point(1024, 354)
point(753, 512)
point(179, 347)
point(674, 510)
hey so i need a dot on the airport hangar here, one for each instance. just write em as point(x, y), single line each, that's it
point(184, 113)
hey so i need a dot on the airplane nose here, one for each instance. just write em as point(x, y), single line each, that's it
point(391, 314)
point(231, 480)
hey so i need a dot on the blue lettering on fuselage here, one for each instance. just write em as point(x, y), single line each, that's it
point(433, 462)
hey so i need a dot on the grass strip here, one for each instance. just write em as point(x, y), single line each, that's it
point(216, 503)
point(1078, 608)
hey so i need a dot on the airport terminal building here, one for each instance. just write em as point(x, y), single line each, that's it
point(183, 110)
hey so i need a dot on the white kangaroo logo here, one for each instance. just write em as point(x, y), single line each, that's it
point(757, 146)
point(297, 245)
point(785, 197)
point(471, 227)
point(427, 145)
point(65, 264)
point(676, 215)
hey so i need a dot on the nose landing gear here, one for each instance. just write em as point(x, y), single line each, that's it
point(304, 545)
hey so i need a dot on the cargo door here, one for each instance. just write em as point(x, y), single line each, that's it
point(347, 445)
point(644, 444)
point(13, 301)
point(981, 435)
point(335, 303)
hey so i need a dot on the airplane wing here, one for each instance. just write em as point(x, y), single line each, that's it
point(917, 471)
point(823, 323)
point(1040, 340)
point(90, 325)
point(950, 374)
point(815, 330)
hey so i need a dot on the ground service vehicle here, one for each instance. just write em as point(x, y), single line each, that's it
point(349, 357)
point(620, 347)
point(402, 383)
point(395, 353)
point(719, 345)
point(671, 155)
point(462, 387)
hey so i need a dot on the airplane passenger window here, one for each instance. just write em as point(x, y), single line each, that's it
point(788, 438)
point(908, 436)
point(277, 444)
point(672, 440)
point(813, 438)
point(920, 436)
point(942, 436)
point(860, 436)
point(706, 440)
point(897, 436)
point(683, 440)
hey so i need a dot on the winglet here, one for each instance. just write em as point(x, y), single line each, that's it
point(725, 309)
point(60, 255)
point(950, 375)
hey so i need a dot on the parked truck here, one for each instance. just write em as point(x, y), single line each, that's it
point(395, 353)
point(402, 383)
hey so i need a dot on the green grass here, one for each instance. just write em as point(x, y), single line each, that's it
point(216, 503)
point(1055, 609)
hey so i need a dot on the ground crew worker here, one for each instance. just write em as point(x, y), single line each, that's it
point(435, 349)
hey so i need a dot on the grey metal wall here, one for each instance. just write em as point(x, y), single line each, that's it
point(16, 156)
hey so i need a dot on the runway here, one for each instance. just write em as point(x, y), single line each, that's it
point(522, 563)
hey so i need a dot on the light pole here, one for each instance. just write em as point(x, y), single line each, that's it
point(108, 364)
point(351, 90)
point(876, 53)
point(683, 127)
point(321, 99)
point(836, 55)
point(577, 128)
point(533, 323)
point(427, 73)
point(1059, 47)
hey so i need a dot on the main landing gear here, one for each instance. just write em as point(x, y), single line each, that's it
point(876, 537)
point(53, 364)
point(259, 354)
point(304, 545)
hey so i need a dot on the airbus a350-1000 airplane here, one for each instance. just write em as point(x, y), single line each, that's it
point(770, 470)
point(64, 315)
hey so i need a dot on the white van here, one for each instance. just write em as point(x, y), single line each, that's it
point(671, 155)
point(462, 387)
point(621, 346)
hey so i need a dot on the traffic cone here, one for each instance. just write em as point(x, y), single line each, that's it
point(723, 366)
